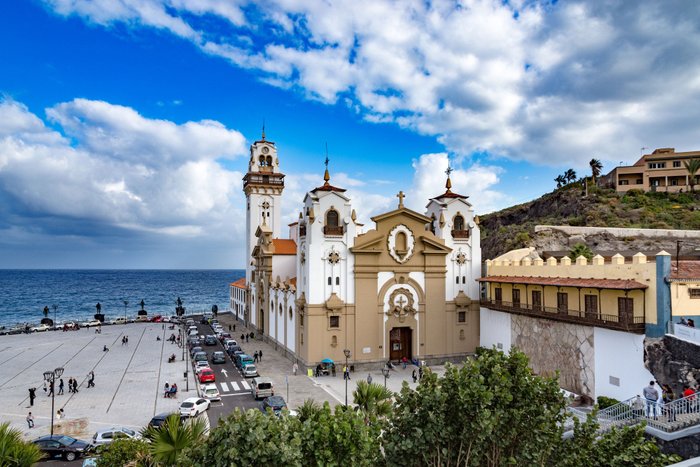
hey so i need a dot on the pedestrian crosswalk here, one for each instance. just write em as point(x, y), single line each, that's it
point(233, 386)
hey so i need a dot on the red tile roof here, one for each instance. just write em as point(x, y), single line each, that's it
point(688, 270)
point(284, 246)
point(449, 194)
point(621, 284)
point(240, 283)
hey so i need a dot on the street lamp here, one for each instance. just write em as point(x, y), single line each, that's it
point(51, 377)
point(385, 372)
point(126, 302)
point(347, 374)
point(55, 307)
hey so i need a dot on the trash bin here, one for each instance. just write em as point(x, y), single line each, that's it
point(185, 374)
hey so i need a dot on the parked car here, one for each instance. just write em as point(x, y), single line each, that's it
point(207, 376)
point(195, 341)
point(200, 356)
point(189, 322)
point(224, 336)
point(229, 342)
point(274, 403)
point(61, 445)
point(142, 319)
point(201, 365)
point(119, 321)
point(250, 371)
point(91, 324)
point(242, 359)
point(109, 435)
point(262, 387)
point(41, 328)
point(209, 391)
point(218, 357)
point(194, 350)
point(210, 340)
point(193, 406)
point(70, 325)
point(156, 319)
point(158, 420)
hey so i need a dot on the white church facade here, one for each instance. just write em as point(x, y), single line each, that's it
point(405, 288)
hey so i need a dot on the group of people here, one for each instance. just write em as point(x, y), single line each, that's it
point(688, 322)
point(257, 356)
point(654, 408)
point(170, 391)
point(246, 337)
point(49, 390)
point(125, 340)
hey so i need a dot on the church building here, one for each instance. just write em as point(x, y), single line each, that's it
point(407, 287)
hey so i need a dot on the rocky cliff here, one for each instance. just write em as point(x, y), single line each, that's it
point(673, 361)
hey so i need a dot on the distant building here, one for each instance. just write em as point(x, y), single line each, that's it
point(662, 170)
point(404, 289)
point(587, 320)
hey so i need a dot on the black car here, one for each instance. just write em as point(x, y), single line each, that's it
point(194, 350)
point(195, 342)
point(276, 403)
point(159, 420)
point(62, 445)
point(210, 340)
point(218, 357)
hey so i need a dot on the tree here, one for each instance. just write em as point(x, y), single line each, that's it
point(570, 175)
point(561, 181)
point(596, 168)
point(580, 249)
point(173, 437)
point(14, 450)
point(692, 167)
point(373, 400)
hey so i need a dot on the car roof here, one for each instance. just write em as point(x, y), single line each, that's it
point(262, 379)
point(208, 386)
point(192, 399)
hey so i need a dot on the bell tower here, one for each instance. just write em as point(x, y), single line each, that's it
point(262, 185)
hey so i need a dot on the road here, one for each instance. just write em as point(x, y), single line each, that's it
point(232, 385)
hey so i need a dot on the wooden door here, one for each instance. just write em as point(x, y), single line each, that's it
point(625, 309)
point(400, 343)
point(562, 302)
point(516, 298)
point(499, 295)
point(536, 300)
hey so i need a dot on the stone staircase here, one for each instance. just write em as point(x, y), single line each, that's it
point(674, 420)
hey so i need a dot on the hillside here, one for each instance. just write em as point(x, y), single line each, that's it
point(514, 227)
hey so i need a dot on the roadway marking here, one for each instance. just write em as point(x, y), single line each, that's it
point(245, 385)
point(236, 394)
point(224, 387)
point(235, 386)
point(125, 370)
point(28, 367)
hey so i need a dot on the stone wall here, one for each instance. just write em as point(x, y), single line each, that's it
point(687, 447)
point(673, 361)
point(554, 346)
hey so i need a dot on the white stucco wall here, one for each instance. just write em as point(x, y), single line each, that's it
point(495, 329)
point(619, 355)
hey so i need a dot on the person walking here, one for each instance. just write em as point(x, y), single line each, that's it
point(260, 355)
point(295, 368)
point(668, 397)
point(242, 338)
point(234, 328)
point(30, 420)
point(60, 387)
point(415, 376)
point(91, 379)
point(75, 386)
point(247, 336)
point(369, 378)
point(255, 357)
point(651, 395)
point(51, 384)
point(420, 372)
point(32, 396)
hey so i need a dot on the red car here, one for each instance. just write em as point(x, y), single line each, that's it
point(157, 319)
point(207, 376)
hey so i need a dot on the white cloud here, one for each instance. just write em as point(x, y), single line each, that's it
point(527, 80)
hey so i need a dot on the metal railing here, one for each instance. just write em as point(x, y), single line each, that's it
point(606, 320)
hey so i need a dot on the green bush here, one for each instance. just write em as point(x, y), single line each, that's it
point(605, 402)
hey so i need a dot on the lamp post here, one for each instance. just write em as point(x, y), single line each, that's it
point(126, 302)
point(346, 374)
point(51, 377)
point(385, 372)
point(55, 308)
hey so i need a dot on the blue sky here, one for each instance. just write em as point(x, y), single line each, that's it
point(124, 124)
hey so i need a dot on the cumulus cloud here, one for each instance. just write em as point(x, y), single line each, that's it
point(116, 169)
point(548, 82)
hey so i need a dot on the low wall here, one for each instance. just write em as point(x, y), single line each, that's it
point(686, 332)
point(621, 232)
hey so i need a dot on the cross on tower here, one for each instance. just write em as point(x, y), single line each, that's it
point(400, 196)
point(448, 171)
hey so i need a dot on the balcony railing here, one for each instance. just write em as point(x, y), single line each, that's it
point(331, 230)
point(460, 234)
point(604, 320)
point(271, 179)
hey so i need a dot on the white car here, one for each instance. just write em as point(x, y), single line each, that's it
point(119, 321)
point(209, 391)
point(41, 328)
point(250, 371)
point(109, 435)
point(91, 324)
point(200, 365)
point(193, 406)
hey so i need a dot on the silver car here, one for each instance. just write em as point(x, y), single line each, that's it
point(250, 371)
point(108, 435)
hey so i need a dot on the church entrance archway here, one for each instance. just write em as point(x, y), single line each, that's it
point(400, 340)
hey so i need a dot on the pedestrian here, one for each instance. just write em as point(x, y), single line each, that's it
point(668, 397)
point(75, 386)
point(255, 357)
point(260, 355)
point(60, 387)
point(58, 414)
point(50, 389)
point(45, 383)
point(127, 340)
point(70, 384)
point(683, 321)
point(105, 349)
point(30, 420)
point(651, 395)
point(123, 340)
point(229, 328)
point(252, 335)
point(242, 337)
point(295, 368)
point(234, 328)
point(415, 376)
point(691, 323)
point(91, 379)
point(369, 378)
point(247, 336)
point(32, 396)
point(420, 372)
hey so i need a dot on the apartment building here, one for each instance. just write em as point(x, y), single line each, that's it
point(662, 170)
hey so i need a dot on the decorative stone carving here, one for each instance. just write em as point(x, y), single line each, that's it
point(401, 304)
point(334, 257)
point(401, 256)
point(461, 258)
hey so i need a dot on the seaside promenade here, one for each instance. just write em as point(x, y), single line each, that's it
point(129, 378)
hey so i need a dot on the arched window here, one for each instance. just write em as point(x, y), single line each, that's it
point(337, 280)
point(261, 161)
point(332, 218)
point(268, 161)
point(290, 313)
point(459, 223)
point(280, 309)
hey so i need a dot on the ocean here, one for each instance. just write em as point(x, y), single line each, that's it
point(25, 292)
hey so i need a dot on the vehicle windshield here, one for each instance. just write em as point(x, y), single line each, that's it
point(250, 367)
point(128, 431)
point(187, 404)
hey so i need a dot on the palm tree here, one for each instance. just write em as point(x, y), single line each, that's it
point(173, 437)
point(596, 168)
point(570, 175)
point(692, 166)
point(560, 181)
point(373, 399)
point(580, 249)
point(14, 450)
point(308, 410)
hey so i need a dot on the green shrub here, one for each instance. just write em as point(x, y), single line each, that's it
point(605, 402)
